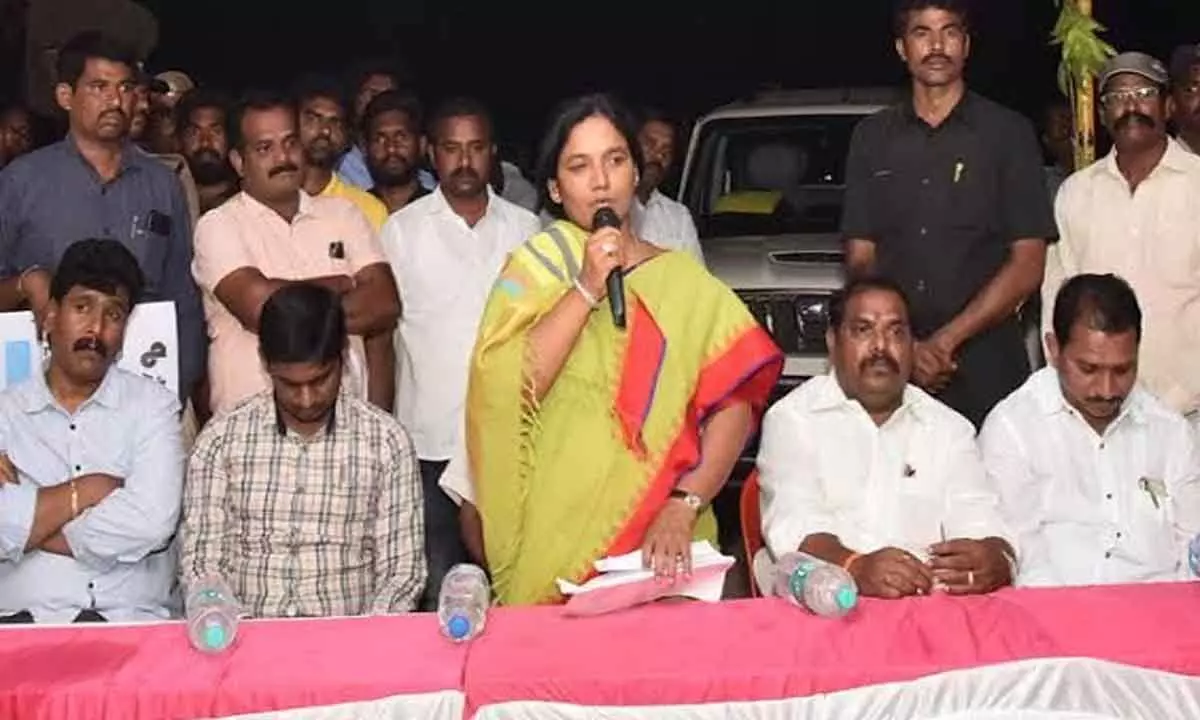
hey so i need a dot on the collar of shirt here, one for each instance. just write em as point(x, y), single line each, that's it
point(131, 158)
point(256, 206)
point(440, 205)
point(1051, 401)
point(1175, 159)
point(335, 424)
point(831, 396)
point(36, 396)
point(963, 112)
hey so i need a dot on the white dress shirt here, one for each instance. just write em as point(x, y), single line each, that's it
point(826, 467)
point(445, 270)
point(1090, 509)
point(1151, 238)
point(122, 567)
point(667, 224)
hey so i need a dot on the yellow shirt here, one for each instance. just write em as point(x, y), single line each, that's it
point(370, 205)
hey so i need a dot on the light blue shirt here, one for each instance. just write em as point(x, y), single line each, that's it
point(123, 567)
point(353, 169)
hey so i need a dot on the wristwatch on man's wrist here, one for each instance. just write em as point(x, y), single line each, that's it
point(691, 499)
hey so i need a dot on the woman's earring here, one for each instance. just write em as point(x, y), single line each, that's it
point(45, 343)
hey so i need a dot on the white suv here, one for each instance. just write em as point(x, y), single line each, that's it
point(764, 180)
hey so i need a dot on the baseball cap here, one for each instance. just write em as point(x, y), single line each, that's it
point(1182, 60)
point(175, 81)
point(144, 79)
point(1136, 63)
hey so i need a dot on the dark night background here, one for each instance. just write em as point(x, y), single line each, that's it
point(685, 57)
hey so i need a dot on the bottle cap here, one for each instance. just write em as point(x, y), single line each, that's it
point(458, 626)
point(846, 597)
point(214, 636)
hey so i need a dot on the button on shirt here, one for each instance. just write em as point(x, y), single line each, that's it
point(1151, 238)
point(826, 467)
point(321, 526)
point(122, 569)
point(52, 198)
point(328, 236)
point(445, 270)
point(667, 224)
point(1090, 509)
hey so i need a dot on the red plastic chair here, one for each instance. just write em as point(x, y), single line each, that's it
point(751, 517)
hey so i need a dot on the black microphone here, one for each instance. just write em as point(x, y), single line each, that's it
point(607, 218)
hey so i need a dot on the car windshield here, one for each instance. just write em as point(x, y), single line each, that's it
point(770, 176)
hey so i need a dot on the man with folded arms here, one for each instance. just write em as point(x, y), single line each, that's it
point(1099, 479)
point(91, 460)
point(868, 472)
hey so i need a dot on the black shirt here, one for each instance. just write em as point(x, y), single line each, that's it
point(942, 206)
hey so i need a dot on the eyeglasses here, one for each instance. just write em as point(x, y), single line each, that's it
point(1133, 95)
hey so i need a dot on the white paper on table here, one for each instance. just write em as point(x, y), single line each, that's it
point(624, 583)
point(151, 346)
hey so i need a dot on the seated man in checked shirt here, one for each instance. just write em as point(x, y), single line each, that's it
point(91, 460)
point(1099, 479)
point(866, 471)
point(305, 499)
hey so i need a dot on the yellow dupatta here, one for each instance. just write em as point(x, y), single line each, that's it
point(582, 474)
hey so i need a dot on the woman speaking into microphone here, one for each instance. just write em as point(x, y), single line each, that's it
point(586, 439)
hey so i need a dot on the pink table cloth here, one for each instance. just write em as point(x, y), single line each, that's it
point(151, 671)
point(681, 655)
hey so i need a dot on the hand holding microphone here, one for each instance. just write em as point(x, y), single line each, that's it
point(602, 261)
point(606, 218)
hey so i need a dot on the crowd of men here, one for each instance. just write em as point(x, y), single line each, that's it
point(329, 252)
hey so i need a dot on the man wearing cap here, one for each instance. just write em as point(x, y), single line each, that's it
point(1136, 214)
point(1185, 91)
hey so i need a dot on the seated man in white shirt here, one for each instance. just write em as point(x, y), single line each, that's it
point(868, 472)
point(1099, 479)
point(91, 460)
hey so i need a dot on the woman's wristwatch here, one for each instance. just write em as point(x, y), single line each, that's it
point(691, 499)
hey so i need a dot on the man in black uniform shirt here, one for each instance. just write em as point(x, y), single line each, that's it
point(945, 195)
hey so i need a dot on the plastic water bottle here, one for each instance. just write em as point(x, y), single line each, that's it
point(821, 588)
point(463, 602)
point(1194, 556)
point(212, 615)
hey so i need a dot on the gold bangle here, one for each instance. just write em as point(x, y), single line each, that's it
point(74, 499)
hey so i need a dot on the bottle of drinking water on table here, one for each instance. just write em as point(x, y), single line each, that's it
point(212, 615)
point(463, 602)
point(1194, 556)
point(821, 588)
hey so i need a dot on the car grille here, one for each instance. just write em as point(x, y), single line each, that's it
point(796, 322)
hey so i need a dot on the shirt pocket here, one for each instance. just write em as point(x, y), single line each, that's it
point(971, 203)
point(149, 236)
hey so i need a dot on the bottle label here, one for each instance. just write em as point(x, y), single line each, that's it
point(798, 578)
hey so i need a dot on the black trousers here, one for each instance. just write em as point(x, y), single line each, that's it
point(990, 367)
point(443, 537)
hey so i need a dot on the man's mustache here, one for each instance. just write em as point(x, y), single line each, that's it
point(1133, 116)
point(118, 114)
point(936, 56)
point(1105, 400)
point(94, 344)
point(285, 168)
point(880, 359)
point(208, 156)
point(397, 159)
point(464, 173)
